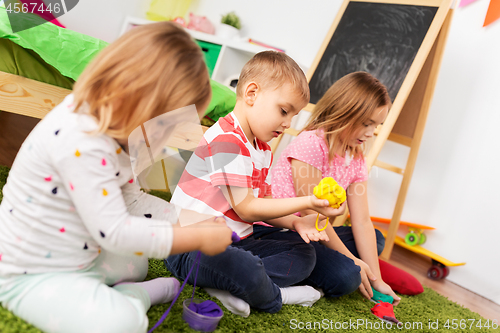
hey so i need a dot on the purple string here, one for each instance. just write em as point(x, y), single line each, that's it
point(234, 237)
point(196, 262)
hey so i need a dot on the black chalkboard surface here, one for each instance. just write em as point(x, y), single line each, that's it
point(379, 38)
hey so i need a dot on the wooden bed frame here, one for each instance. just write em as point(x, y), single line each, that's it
point(28, 97)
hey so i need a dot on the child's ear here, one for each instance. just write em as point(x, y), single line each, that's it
point(250, 93)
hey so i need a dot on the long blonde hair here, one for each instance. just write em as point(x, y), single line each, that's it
point(150, 70)
point(345, 106)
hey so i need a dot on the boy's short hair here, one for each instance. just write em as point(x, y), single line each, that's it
point(272, 69)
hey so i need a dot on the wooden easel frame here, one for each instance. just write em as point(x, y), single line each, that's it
point(406, 120)
point(418, 103)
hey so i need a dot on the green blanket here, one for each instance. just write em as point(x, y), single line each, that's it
point(17, 60)
point(66, 50)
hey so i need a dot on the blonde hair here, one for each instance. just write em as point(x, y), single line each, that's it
point(150, 70)
point(272, 69)
point(347, 105)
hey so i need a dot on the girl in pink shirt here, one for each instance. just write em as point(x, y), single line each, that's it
point(331, 146)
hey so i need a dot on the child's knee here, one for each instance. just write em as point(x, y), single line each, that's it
point(303, 261)
point(352, 284)
point(140, 270)
point(308, 255)
point(122, 269)
point(345, 283)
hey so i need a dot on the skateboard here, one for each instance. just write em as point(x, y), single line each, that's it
point(439, 269)
point(415, 235)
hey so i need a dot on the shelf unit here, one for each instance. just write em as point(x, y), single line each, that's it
point(232, 56)
point(230, 59)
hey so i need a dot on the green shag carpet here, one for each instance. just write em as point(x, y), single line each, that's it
point(427, 312)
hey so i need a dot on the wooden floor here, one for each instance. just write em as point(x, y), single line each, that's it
point(15, 128)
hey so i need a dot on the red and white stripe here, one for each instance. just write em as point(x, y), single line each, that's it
point(224, 157)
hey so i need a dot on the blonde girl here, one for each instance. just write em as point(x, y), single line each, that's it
point(76, 229)
point(331, 146)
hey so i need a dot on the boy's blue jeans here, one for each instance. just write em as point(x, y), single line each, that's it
point(335, 273)
point(251, 269)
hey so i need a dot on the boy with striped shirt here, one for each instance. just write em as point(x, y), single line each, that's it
point(228, 175)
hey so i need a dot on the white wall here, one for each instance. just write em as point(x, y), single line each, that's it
point(455, 183)
point(454, 186)
point(102, 19)
point(296, 26)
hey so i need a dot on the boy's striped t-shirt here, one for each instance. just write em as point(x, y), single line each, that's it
point(224, 157)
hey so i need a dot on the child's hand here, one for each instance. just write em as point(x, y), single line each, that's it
point(216, 236)
point(306, 228)
point(384, 288)
point(322, 206)
point(367, 279)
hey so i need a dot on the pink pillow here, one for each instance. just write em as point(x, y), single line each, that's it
point(399, 280)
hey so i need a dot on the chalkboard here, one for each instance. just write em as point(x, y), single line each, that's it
point(379, 38)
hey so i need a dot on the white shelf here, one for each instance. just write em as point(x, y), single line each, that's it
point(233, 56)
point(240, 44)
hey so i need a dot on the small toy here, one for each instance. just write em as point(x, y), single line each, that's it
point(385, 311)
point(415, 235)
point(181, 21)
point(200, 23)
point(439, 269)
point(330, 190)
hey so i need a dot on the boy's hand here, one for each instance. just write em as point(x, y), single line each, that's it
point(322, 206)
point(216, 236)
point(306, 227)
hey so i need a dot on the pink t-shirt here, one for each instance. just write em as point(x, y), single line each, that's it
point(310, 147)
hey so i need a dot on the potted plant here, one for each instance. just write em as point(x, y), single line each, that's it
point(230, 26)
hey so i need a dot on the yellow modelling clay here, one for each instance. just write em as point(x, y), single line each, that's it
point(330, 190)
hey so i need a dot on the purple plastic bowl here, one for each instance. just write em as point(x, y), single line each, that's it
point(198, 321)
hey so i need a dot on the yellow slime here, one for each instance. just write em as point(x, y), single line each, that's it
point(330, 190)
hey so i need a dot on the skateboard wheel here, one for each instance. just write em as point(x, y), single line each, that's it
point(422, 240)
point(435, 273)
point(446, 271)
point(411, 238)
